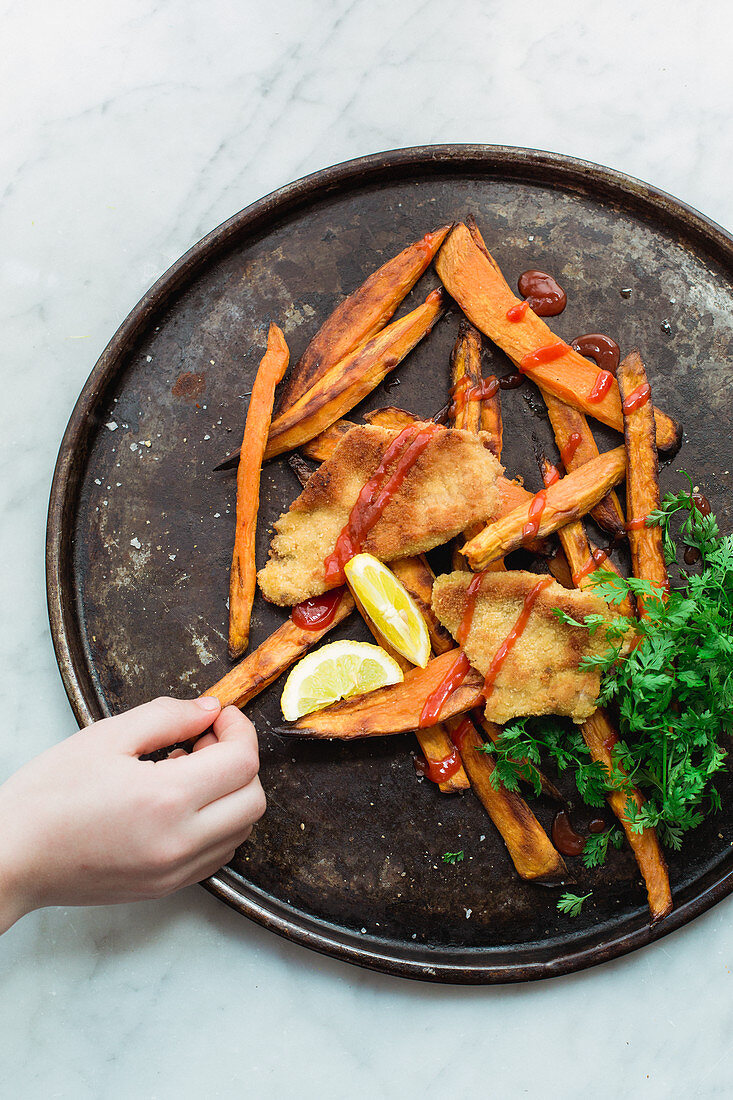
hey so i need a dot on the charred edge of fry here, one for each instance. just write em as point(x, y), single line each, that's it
point(322, 446)
point(434, 741)
point(531, 850)
point(465, 362)
point(600, 737)
point(391, 417)
point(273, 657)
point(493, 733)
point(568, 422)
point(642, 482)
point(362, 314)
point(300, 468)
point(417, 577)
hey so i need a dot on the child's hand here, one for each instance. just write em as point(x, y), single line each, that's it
point(88, 823)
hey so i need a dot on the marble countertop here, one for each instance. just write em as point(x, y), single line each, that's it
point(127, 131)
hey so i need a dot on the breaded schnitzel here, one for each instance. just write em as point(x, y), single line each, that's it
point(451, 485)
point(540, 674)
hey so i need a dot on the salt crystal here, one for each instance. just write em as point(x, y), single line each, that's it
point(112, 425)
point(136, 543)
point(97, 481)
point(149, 358)
point(133, 446)
point(207, 437)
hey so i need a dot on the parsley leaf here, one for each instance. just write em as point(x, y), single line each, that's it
point(572, 904)
point(452, 857)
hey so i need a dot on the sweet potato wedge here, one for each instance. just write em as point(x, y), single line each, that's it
point(580, 556)
point(418, 577)
point(243, 573)
point(391, 417)
point(530, 848)
point(491, 420)
point(276, 654)
point(474, 281)
point(434, 741)
point(466, 379)
point(389, 710)
point(577, 446)
point(568, 499)
point(361, 315)
point(642, 479)
point(323, 445)
point(348, 381)
point(600, 737)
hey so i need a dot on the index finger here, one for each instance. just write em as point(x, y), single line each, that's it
point(220, 768)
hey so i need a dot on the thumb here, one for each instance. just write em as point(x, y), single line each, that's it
point(162, 722)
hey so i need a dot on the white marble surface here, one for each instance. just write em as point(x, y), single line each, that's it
point(126, 132)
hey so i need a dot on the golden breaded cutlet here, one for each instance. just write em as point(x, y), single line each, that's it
point(452, 484)
point(541, 673)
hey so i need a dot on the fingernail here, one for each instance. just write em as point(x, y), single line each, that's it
point(208, 702)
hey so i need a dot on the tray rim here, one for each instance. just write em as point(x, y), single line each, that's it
point(498, 161)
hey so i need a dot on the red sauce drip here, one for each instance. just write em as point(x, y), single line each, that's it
point(461, 732)
point(601, 349)
point(516, 313)
point(552, 475)
point(547, 354)
point(489, 387)
point(511, 381)
point(437, 771)
point(601, 386)
point(514, 634)
point(543, 293)
point(595, 561)
point(564, 836)
point(374, 497)
point(463, 392)
point(318, 612)
point(597, 825)
point(702, 504)
point(636, 524)
point(434, 702)
point(567, 454)
point(460, 398)
point(637, 399)
point(534, 515)
point(459, 669)
point(609, 743)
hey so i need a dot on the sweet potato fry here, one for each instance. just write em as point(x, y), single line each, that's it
point(434, 741)
point(466, 379)
point(491, 420)
point(391, 417)
point(581, 557)
point(276, 654)
point(418, 577)
point(642, 484)
point(577, 446)
point(530, 848)
point(348, 381)
point(362, 315)
point(600, 737)
point(473, 280)
point(243, 576)
point(389, 710)
point(568, 499)
point(322, 446)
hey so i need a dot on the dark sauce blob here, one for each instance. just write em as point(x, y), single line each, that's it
point(544, 294)
point(511, 381)
point(702, 504)
point(600, 348)
point(692, 555)
point(564, 836)
point(597, 825)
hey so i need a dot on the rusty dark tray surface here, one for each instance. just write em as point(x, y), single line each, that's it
point(347, 859)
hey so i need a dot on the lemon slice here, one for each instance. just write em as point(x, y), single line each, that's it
point(336, 671)
point(390, 607)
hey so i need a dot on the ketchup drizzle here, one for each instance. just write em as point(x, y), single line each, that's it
point(567, 454)
point(318, 612)
point(637, 399)
point(636, 524)
point(540, 356)
point(601, 386)
point(514, 634)
point(595, 561)
point(516, 312)
point(534, 514)
point(438, 771)
point(374, 497)
point(459, 669)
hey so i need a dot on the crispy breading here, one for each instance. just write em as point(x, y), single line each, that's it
point(540, 674)
point(452, 484)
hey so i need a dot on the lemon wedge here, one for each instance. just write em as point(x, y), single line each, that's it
point(336, 671)
point(390, 607)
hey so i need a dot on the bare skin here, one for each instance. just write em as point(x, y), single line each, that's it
point(89, 823)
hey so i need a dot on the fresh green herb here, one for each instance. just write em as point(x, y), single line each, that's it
point(571, 904)
point(452, 857)
point(596, 846)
